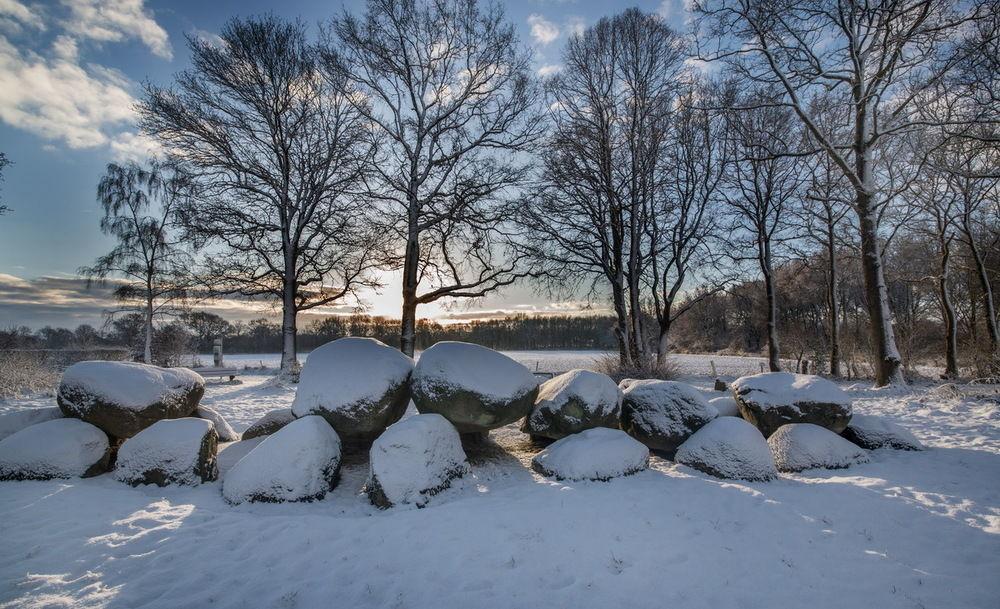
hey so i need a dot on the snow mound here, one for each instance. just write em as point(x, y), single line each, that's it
point(801, 446)
point(413, 460)
point(359, 385)
point(729, 447)
point(269, 423)
point(574, 401)
point(60, 448)
point(299, 462)
point(172, 451)
point(224, 430)
point(871, 432)
point(123, 398)
point(726, 405)
point(12, 422)
point(475, 388)
point(773, 399)
point(594, 454)
point(663, 414)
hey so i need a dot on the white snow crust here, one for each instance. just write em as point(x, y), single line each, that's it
point(129, 384)
point(777, 389)
point(473, 368)
point(15, 421)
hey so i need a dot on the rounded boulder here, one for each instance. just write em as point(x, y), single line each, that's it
point(773, 399)
point(60, 448)
point(572, 402)
point(801, 446)
point(663, 414)
point(729, 447)
point(172, 451)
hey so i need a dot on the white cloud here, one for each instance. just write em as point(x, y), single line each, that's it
point(130, 146)
point(549, 70)
point(116, 20)
point(21, 14)
point(542, 30)
point(576, 25)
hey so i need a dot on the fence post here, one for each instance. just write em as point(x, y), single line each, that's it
point(217, 352)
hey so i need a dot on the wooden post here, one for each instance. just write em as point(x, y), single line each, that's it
point(217, 352)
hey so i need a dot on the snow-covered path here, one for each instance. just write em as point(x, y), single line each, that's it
point(905, 530)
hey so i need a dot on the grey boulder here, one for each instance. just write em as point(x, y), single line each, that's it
point(773, 399)
point(168, 452)
point(663, 414)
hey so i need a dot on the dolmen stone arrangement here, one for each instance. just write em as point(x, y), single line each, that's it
point(146, 425)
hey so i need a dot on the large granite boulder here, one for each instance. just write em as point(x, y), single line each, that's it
point(15, 421)
point(663, 414)
point(729, 447)
point(269, 423)
point(413, 460)
point(593, 454)
point(171, 451)
point(360, 385)
point(572, 402)
point(871, 432)
point(224, 430)
point(123, 398)
point(773, 399)
point(801, 446)
point(476, 388)
point(59, 448)
point(299, 462)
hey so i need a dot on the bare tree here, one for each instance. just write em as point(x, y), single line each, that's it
point(872, 58)
point(277, 152)
point(453, 103)
point(140, 212)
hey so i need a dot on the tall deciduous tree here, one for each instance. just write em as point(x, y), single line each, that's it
point(278, 151)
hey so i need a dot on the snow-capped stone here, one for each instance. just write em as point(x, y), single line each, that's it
point(773, 399)
point(123, 398)
point(13, 422)
point(662, 414)
point(359, 385)
point(59, 448)
point(801, 446)
point(413, 460)
point(593, 454)
point(299, 462)
point(871, 432)
point(269, 423)
point(574, 401)
point(476, 388)
point(729, 447)
point(624, 383)
point(224, 430)
point(726, 405)
point(171, 451)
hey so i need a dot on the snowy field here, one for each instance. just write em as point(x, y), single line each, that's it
point(907, 529)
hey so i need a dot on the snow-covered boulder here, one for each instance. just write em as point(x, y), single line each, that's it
point(773, 399)
point(360, 385)
point(593, 454)
point(801, 446)
point(726, 405)
point(574, 401)
point(729, 447)
point(224, 430)
point(172, 451)
point(60, 448)
point(123, 398)
point(299, 462)
point(871, 432)
point(269, 423)
point(413, 460)
point(476, 388)
point(13, 422)
point(662, 414)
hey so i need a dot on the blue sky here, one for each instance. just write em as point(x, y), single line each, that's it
point(70, 71)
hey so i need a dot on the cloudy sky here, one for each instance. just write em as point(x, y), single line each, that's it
point(70, 73)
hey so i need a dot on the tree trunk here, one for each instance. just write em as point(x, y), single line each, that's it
point(834, 304)
point(147, 353)
point(408, 326)
point(948, 310)
point(773, 351)
point(663, 340)
point(289, 358)
point(622, 333)
point(986, 286)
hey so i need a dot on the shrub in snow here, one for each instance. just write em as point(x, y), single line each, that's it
point(299, 462)
point(60, 448)
point(594, 454)
point(123, 398)
point(476, 388)
point(269, 423)
point(12, 422)
point(662, 414)
point(800, 446)
point(773, 399)
point(871, 432)
point(726, 405)
point(174, 451)
point(413, 460)
point(729, 447)
point(224, 430)
point(360, 385)
point(574, 401)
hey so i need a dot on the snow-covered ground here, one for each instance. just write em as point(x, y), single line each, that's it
point(906, 529)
